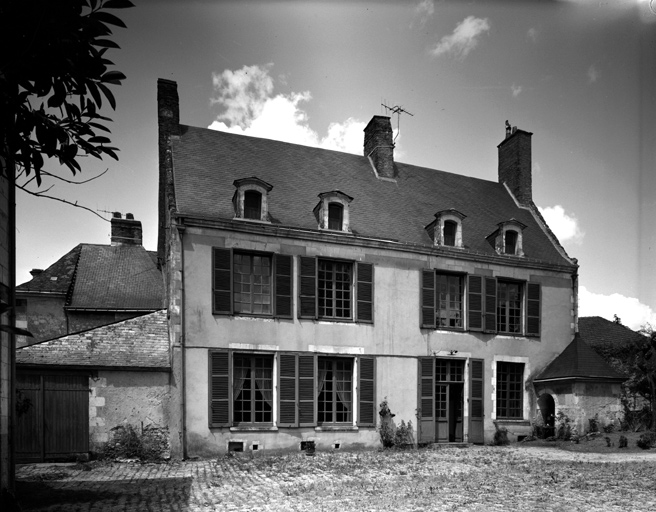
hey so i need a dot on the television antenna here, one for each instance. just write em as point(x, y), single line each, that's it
point(398, 110)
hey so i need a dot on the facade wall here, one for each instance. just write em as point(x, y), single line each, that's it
point(124, 397)
point(43, 316)
point(395, 337)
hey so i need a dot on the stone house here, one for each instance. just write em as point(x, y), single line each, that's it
point(100, 357)
point(306, 285)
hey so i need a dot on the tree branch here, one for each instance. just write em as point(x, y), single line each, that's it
point(65, 201)
point(46, 173)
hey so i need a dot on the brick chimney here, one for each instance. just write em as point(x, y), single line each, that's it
point(515, 164)
point(379, 146)
point(126, 231)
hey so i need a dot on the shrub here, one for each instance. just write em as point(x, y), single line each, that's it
point(594, 423)
point(149, 444)
point(391, 435)
point(564, 427)
point(647, 440)
point(624, 442)
point(500, 437)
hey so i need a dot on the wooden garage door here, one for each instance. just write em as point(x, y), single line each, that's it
point(56, 425)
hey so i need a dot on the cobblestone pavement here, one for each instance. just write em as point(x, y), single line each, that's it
point(476, 478)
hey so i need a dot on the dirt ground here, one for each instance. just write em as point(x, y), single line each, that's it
point(520, 477)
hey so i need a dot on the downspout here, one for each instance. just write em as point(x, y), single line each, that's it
point(182, 346)
point(575, 296)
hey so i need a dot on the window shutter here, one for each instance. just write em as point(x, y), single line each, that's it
point(475, 303)
point(287, 390)
point(533, 309)
point(426, 400)
point(283, 286)
point(365, 292)
point(219, 389)
point(306, 390)
point(222, 281)
point(428, 298)
point(476, 414)
point(490, 311)
point(308, 288)
point(366, 392)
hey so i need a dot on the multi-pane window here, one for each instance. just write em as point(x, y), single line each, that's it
point(252, 205)
point(448, 312)
point(510, 383)
point(450, 229)
point(252, 284)
point(509, 307)
point(335, 390)
point(334, 289)
point(252, 389)
point(335, 216)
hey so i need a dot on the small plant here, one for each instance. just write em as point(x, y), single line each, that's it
point(500, 437)
point(23, 404)
point(624, 442)
point(564, 426)
point(150, 443)
point(647, 440)
point(609, 429)
point(594, 423)
point(391, 435)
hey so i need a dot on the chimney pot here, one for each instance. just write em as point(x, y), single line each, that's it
point(129, 216)
point(116, 215)
point(36, 271)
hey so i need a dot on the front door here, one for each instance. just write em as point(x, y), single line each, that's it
point(441, 400)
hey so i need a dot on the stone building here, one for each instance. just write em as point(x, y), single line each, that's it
point(305, 286)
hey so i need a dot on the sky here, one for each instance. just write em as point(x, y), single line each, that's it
point(579, 74)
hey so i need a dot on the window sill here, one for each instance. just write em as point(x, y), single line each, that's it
point(263, 428)
point(336, 428)
point(512, 421)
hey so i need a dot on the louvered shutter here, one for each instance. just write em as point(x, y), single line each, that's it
point(490, 311)
point(366, 392)
point(365, 292)
point(219, 414)
point(283, 286)
point(308, 288)
point(475, 303)
point(222, 281)
point(426, 400)
point(476, 413)
point(533, 309)
point(428, 298)
point(306, 390)
point(287, 390)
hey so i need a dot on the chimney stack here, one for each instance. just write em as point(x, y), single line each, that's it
point(379, 146)
point(126, 231)
point(515, 166)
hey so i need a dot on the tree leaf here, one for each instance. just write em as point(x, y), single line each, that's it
point(108, 19)
point(117, 4)
point(108, 94)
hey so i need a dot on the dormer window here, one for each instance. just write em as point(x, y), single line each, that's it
point(332, 211)
point(449, 232)
point(335, 216)
point(508, 238)
point(252, 205)
point(446, 229)
point(251, 199)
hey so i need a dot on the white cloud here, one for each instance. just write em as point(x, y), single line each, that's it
point(532, 34)
point(251, 108)
point(630, 310)
point(516, 89)
point(463, 39)
point(424, 11)
point(593, 74)
point(565, 226)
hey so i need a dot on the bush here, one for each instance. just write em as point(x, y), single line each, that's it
point(647, 440)
point(391, 435)
point(564, 428)
point(594, 423)
point(149, 444)
point(500, 437)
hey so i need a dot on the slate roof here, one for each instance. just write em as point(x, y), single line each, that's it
point(207, 162)
point(578, 361)
point(140, 342)
point(104, 277)
point(57, 278)
point(596, 330)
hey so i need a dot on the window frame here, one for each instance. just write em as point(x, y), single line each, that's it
point(362, 290)
point(511, 405)
point(334, 361)
point(334, 291)
point(222, 283)
point(252, 294)
point(250, 193)
point(253, 184)
point(322, 211)
point(430, 299)
point(504, 284)
point(253, 357)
